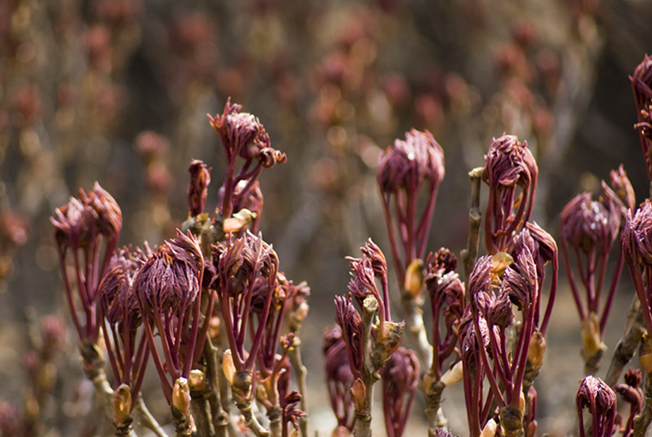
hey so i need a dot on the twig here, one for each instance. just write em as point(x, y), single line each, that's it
point(416, 328)
point(369, 373)
point(241, 388)
point(220, 417)
point(642, 421)
point(301, 373)
point(470, 254)
point(433, 398)
point(628, 343)
point(201, 413)
point(146, 418)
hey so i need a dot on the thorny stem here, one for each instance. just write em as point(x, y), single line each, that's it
point(369, 370)
point(628, 343)
point(470, 254)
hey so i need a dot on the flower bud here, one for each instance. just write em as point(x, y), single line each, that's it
point(227, 366)
point(591, 336)
point(536, 350)
point(645, 354)
point(489, 429)
point(181, 396)
point(387, 342)
point(197, 380)
point(121, 404)
point(200, 177)
point(238, 221)
point(242, 383)
point(359, 395)
point(414, 278)
point(453, 375)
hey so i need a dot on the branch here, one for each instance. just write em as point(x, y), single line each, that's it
point(470, 254)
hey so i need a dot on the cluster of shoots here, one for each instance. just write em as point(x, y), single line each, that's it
point(220, 322)
point(214, 294)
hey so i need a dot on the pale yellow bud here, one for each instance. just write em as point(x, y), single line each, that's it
point(536, 350)
point(500, 261)
point(591, 336)
point(453, 375)
point(121, 404)
point(227, 366)
point(645, 354)
point(238, 221)
point(414, 277)
point(197, 380)
point(489, 429)
point(181, 396)
point(359, 395)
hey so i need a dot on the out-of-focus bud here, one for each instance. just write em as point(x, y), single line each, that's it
point(453, 375)
point(341, 431)
point(400, 376)
point(181, 396)
point(121, 404)
point(623, 187)
point(243, 134)
point(586, 224)
point(200, 177)
point(388, 341)
point(414, 278)
point(642, 89)
point(109, 215)
point(409, 162)
point(359, 395)
point(238, 221)
point(242, 383)
point(227, 366)
point(500, 261)
point(490, 429)
point(197, 380)
point(214, 329)
point(536, 350)
point(637, 235)
point(645, 354)
point(591, 336)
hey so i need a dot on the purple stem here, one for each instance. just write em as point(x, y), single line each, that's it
point(195, 325)
point(400, 272)
point(167, 388)
point(551, 298)
point(571, 280)
point(612, 293)
point(69, 296)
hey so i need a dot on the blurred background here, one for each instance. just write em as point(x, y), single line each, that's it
point(117, 91)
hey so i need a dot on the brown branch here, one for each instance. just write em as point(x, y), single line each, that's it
point(414, 325)
point(627, 344)
point(301, 373)
point(470, 254)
